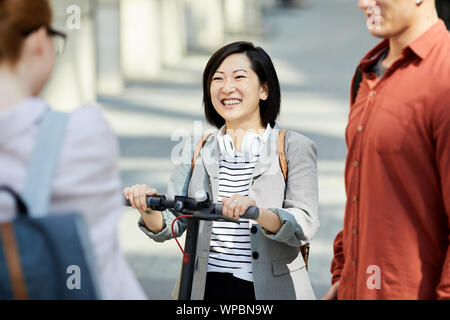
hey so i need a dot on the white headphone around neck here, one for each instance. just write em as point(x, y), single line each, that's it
point(251, 144)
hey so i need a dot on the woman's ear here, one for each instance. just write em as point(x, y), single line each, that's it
point(264, 91)
point(36, 42)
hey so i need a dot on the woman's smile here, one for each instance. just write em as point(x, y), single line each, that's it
point(230, 103)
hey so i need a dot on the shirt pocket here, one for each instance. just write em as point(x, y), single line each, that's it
point(390, 123)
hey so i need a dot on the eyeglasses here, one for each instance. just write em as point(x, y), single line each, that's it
point(59, 38)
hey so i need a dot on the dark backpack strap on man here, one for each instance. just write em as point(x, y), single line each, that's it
point(284, 168)
point(356, 83)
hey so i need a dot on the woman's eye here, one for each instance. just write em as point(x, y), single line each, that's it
point(217, 79)
point(240, 77)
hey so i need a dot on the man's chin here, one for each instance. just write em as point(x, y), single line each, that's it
point(379, 33)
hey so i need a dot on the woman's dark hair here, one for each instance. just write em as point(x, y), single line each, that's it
point(261, 64)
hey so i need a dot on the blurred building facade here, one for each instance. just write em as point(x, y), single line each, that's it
point(111, 42)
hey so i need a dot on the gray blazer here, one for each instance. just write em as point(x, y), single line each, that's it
point(279, 270)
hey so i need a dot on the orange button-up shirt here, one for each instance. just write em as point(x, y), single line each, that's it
point(395, 240)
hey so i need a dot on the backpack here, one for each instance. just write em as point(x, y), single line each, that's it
point(284, 169)
point(45, 256)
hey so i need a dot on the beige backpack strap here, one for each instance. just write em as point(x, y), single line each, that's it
point(281, 154)
point(197, 150)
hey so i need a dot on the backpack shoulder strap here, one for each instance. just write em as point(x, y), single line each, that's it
point(356, 83)
point(284, 168)
point(41, 169)
point(281, 153)
point(197, 150)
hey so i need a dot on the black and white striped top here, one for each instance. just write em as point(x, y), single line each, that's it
point(230, 249)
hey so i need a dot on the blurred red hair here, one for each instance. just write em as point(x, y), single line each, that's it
point(16, 18)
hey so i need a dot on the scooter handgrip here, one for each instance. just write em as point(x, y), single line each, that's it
point(163, 202)
point(251, 213)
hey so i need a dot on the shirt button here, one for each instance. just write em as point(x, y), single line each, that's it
point(253, 229)
point(372, 93)
point(355, 198)
point(255, 255)
point(356, 163)
point(361, 128)
point(353, 262)
point(354, 230)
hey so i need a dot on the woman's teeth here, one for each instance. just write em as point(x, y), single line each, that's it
point(231, 102)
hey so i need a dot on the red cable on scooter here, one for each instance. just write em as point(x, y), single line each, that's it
point(185, 255)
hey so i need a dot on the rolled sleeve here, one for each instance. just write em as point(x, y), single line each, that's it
point(166, 233)
point(337, 263)
point(178, 185)
point(299, 215)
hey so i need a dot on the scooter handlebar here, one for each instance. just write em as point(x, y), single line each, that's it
point(152, 200)
point(251, 213)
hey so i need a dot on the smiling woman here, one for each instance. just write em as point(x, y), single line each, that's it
point(257, 259)
point(241, 64)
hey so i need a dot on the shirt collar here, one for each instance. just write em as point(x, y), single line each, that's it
point(424, 43)
point(373, 55)
point(420, 46)
point(20, 118)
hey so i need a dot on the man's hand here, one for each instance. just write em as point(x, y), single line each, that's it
point(332, 293)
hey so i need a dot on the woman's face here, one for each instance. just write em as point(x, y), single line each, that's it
point(236, 90)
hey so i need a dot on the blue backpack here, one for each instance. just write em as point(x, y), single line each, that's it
point(45, 256)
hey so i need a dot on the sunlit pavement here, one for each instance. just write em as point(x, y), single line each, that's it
point(315, 51)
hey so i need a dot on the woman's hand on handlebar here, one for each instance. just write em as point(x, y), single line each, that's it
point(235, 206)
point(137, 195)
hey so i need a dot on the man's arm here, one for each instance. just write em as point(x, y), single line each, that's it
point(337, 264)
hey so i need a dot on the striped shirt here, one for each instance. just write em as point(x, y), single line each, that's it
point(230, 249)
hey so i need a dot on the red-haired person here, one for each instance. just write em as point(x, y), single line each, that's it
point(87, 177)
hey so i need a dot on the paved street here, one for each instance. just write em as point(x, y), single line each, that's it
point(315, 51)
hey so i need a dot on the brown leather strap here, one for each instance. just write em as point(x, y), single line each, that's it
point(284, 168)
point(305, 253)
point(281, 154)
point(13, 261)
point(197, 150)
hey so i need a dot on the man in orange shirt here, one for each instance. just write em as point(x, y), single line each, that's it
point(395, 239)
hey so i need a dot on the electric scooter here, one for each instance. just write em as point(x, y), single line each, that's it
point(194, 209)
